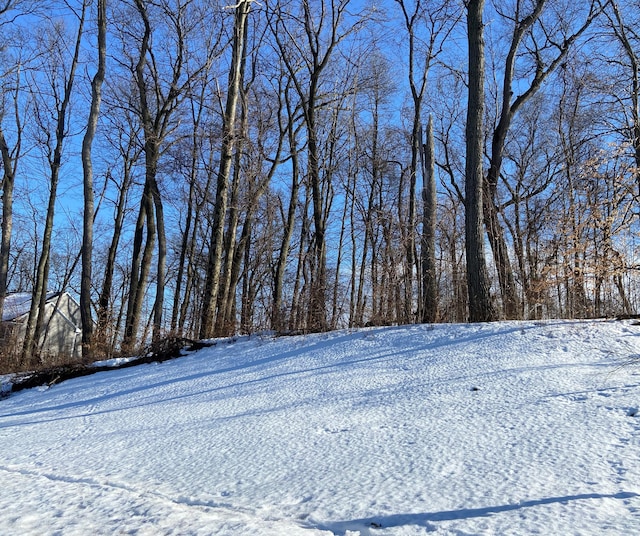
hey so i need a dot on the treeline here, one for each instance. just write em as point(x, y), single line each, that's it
point(197, 168)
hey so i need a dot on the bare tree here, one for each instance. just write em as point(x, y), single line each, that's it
point(545, 64)
point(481, 308)
point(436, 21)
point(35, 321)
point(159, 94)
point(87, 167)
point(207, 322)
point(307, 41)
point(10, 158)
point(278, 315)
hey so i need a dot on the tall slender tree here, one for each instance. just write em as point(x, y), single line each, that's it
point(10, 158)
point(216, 242)
point(36, 318)
point(427, 26)
point(87, 168)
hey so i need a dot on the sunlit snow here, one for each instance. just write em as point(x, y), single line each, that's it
point(495, 429)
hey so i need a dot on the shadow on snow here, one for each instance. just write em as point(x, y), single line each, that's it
point(364, 526)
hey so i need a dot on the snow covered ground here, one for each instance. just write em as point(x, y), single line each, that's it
point(496, 429)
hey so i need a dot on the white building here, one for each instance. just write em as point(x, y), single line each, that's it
point(62, 334)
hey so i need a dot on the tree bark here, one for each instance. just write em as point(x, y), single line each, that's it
point(140, 267)
point(480, 306)
point(87, 168)
point(277, 315)
point(212, 285)
point(429, 207)
point(8, 181)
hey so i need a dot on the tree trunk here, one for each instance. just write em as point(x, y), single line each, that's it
point(317, 299)
point(140, 267)
point(158, 306)
point(224, 325)
point(8, 182)
point(277, 317)
point(87, 168)
point(9, 166)
point(336, 310)
point(499, 247)
point(207, 323)
point(192, 217)
point(35, 321)
point(298, 286)
point(429, 201)
point(480, 305)
point(104, 314)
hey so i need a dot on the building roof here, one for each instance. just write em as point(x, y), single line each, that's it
point(18, 304)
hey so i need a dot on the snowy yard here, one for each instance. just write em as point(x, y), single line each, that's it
point(497, 429)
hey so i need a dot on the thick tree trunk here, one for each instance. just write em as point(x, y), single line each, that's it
point(410, 242)
point(317, 301)
point(224, 325)
point(480, 305)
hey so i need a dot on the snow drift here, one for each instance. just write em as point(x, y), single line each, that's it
point(505, 428)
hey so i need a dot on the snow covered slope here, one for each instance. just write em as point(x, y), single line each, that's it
point(505, 429)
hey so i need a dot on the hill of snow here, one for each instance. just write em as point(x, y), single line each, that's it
point(495, 429)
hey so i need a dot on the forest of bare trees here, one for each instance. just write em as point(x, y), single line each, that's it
point(201, 168)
